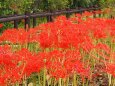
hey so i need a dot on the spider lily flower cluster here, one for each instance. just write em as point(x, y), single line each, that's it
point(62, 52)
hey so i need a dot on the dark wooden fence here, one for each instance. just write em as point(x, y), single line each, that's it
point(27, 16)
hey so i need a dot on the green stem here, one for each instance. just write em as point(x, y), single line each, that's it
point(44, 77)
point(34, 81)
point(67, 81)
point(109, 80)
point(83, 84)
point(60, 82)
point(38, 79)
point(74, 80)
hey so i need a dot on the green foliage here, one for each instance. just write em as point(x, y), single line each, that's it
point(82, 3)
point(5, 26)
point(108, 4)
point(19, 5)
point(11, 6)
point(57, 4)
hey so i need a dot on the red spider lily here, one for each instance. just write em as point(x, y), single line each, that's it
point(60, 73)
point(53, 58)
point(86, 13)
point(56, 69)
point(1, 25)
point(31, 63)
point(78, 15)
point(63, 40)
point(33, 35)
point(104, 47)
point(2, 81)
point(112, 32)
point(87, 46)
point(55, 37)
point(5, 49)
point(66, 61)
point(104, 55)
point(61, 18)
point(57, 61)
point(99, 34)
point(9, 71)
point(45, 40)
point(9, 35)
point(70, 63)
point(98, 12)
point(73, 19)
point(75, 54)
point(55, 55)
point(113, 40)
point(110, 68)
point(81, 70)
point(24, 54)
point(13, 66)
point(23, 36)
point(15, 36)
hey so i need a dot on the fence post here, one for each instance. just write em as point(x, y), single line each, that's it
point(15, 21)
point(27, 20)
point(49, 18)
point(67, 14)
point(100, 14)
point(94, 13)
point(80, 12)
point(34, 20)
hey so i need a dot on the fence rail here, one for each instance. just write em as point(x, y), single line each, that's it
point(27, 16)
